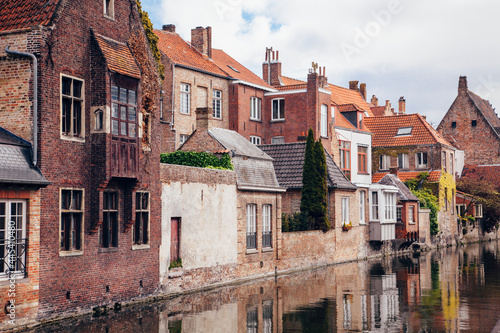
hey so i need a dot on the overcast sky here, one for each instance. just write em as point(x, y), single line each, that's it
point(416, 49)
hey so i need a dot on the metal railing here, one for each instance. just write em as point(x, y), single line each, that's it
point(251, 240)
point(13, 257)
point(266, 239)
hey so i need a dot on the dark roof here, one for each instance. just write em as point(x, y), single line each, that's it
point(289, 161)
point(23, 14)
point(16, 162)
point(118, 57)
point(404, 193)
point(486, 110)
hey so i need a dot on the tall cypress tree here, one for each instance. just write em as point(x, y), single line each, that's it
point(321, 212)
point(309, 176)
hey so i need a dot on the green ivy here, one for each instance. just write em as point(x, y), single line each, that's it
point(422, 189)
point(152, 38)
point(175, 263)
point(197, 159)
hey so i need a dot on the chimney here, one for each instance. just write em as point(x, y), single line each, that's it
point(362, 90)
point(353, 85)
point(394, 171)
point(271, 68)
point(204, 118)
point(374, 100)
point(201, 39)
point(169, 27)
point(462, 84)
point(402, 105)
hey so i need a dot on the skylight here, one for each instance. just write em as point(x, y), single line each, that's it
point(234, 69)
point(404, 131)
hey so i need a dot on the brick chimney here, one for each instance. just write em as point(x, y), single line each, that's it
point(204, 118)
point(462, 84)
point(402, 105)
point(362, 90)
point(168, 27)
point(374, 100)
point(353, 85)
point(201, 39)
point(394, 171)
point(272, 62)
point(387, 111)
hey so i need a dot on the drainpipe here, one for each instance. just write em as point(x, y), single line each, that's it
point(173, 105)
point(35, 100)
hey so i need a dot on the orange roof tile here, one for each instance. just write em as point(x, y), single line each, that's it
point(182, 53)
point(386, 128)
point(236, 70)
point(118, 57)
point(17, 14)
point(407, 175)
point(378, 111)
point(287, 81)
point(341, 96)
point(292, 87)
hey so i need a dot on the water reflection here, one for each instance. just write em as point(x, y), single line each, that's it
point(448, 290)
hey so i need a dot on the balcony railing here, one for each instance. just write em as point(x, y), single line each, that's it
point(13, 257)
point(251, 240)
point(266, 239)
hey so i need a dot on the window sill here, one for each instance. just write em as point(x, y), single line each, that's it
point(252, 251)
point(107, 249)
point(277, 121)
point(219, 119)
point(141, 247)
point(19, 278)
point(70, 253)
point(267, 249)
point(109, 17)
point(256, 120)
point(72, 138)
point(363, 173)
point(325, 137)
point(185, 114)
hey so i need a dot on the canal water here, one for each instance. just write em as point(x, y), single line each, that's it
point(446, 290)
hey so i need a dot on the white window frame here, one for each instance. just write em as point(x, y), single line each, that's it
point(19, 233)
point(73, 211)
point(451, 163)
point(419, 160)
point(403, 161)
point(255, 108)
point(217, 104)
point(277, 140)
point(362, 207)
point(266, 224)
point(138, 240)
point(411, 214)
point(345, 211)
point(70, 133)
point(390, 206)
point(404, 131)
point(478, 210)
point(279, 107)
point(185, 98)
point(443, 161)
point(458, 208)
point(251, 227)
point(399, 213)
point(324, 120)
point(384, 162)
point(256, 140)
point(183, 138)
point(374, 205)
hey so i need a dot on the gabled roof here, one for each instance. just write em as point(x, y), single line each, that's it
point(486, 110)
point(118, 57)
point(407, 175)
point(342, 96)
point(17, 14)
point(385, 131)
point(288, 81)
point(490, 173)
point(16, 162)
point(236, 70)
point(404, 193)
point(182, 53)
point(289, 162)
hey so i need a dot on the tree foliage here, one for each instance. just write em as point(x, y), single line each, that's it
point(197, 159)
point(427, 200)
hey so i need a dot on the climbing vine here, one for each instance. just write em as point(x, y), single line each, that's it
point(447, 188)
point(152, 39)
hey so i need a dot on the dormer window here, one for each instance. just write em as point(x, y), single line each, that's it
point(109, 8)
point(404, 131)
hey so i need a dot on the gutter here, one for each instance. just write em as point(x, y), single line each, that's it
point(35, 100)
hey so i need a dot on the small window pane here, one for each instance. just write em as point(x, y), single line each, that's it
point(131, 97)
point(123, 128)
point(123, 112)
point(131, 128)
point(131, 113)
point(114, 110)
point(114, 93)
point(123, 95)
point(66, 86)
point(77, 88)
point(114, 127)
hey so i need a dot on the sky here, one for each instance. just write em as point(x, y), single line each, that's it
point(416, 49)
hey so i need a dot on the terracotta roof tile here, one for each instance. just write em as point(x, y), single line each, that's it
point(235, 69)
point(342, 96)
point(182, 53)
point(292, 87)
point(288, 81)
point(118, 57)
point(407, 175)
point(378, 111)
point(386, 128)
point(17, 14)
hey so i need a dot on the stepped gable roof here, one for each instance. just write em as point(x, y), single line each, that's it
point(118, 57)
point(16, 162)
point(385, 130)
point(486, 110)
point(236, 70)
point(407, 175)
point(378, 111)
point(182, 53)
point(17, 14)
point(404, 193)
point(289, 162)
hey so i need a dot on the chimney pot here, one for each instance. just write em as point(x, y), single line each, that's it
point(169, 27)
point(374, 100)
point(402, 105)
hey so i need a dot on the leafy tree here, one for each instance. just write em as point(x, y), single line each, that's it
point(427, 199)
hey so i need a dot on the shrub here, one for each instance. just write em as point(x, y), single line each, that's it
point(197, 159)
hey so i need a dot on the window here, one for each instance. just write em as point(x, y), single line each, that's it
point(99, 120)
point(390, 206)
point(404, 131)
point(266, 226)
point(109, 8)
point(443, 160)
point(71, 220)
point(333, 115)
point(251, 227)
point(445, 199)
point(123, 112)
point(324, 120)
point(278, 109)
point(473, 123)
point(252, 320)
point(362, 159)
point(345, 211)
point(399, 213)
point(345, 157)
point(183, 138)
point(460, 209)
point(347, 312)
point(362, 207)
point(267, 316)
point(256, 140)
point(141, 226)
point(411, 214)
point(453, 124)
point(421, 160)
point(255, 108)
point(71, 106)
point(374, 205)
point(108, 236)
point(217, 104)
point(185, 98)
point(403, 161)
point(451, 163)
point(12, 237)
point(384, 162)
point(278, 140)
point(478, 210)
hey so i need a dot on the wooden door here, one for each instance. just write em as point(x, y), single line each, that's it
point(175, 235)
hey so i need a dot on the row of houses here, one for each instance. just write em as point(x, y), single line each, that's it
point(88, 214)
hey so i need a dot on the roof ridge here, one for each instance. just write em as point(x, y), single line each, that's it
point(481, 111)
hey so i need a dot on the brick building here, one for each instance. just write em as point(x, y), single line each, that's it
point(472, 125)
point(97, 96)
